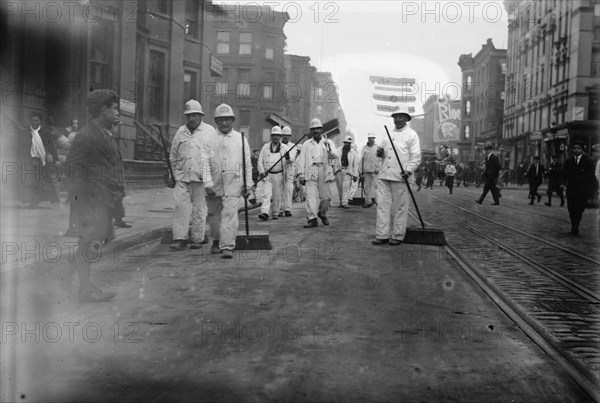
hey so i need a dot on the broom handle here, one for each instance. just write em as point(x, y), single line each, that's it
point(245, 184)
point(278, 161)
point(412, 196)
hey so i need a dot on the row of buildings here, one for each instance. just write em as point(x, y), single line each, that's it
point(157, 54)
point(541, 93)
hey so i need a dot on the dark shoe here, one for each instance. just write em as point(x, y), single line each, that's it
point(274, 218)
point(226, 254)
point(367, 205)
point(198, 245)
point(121, 224)
point(495, 204)
point(341, 206)
point(263, 217)
point(92, 294)
point(288, 214)
point(395, 242)
point(380, 241)
point(531, 202)
point(312, 223)
point(478, 201)
point(280, 214)
point(548, 204)
point(346, 207)
point(214, 249)
point(178, 245)
point(324, 219)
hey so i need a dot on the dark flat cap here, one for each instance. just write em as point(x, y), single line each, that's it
point(488, 147)
point(98, 98)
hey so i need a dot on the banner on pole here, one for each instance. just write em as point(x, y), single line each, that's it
point(446, 122)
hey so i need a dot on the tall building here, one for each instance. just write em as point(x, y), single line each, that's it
point(325, 104)
point(483, 77)
point(56, 52)
point(553, 77)
point(299, 81)
point(249, 44)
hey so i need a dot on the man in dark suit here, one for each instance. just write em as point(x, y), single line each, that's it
point(554, 173)
point(490, 176)
point(95, 190)
point(578, 177)
point(535, 175)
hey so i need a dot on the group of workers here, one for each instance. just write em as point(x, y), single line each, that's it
point(209, 167)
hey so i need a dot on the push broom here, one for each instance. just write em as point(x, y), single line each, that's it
point(414, 235)
point(247, 240)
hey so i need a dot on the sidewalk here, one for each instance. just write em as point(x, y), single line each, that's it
point(33, 236)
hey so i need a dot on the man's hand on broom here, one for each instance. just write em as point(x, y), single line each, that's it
point(406, 175)
point(210, 192)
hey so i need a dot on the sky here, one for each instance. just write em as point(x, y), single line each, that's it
point(418, 39)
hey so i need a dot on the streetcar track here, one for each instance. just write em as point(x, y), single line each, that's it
point(582, 291)
point(554, 245)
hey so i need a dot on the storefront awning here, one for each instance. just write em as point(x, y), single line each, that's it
point(277, 120)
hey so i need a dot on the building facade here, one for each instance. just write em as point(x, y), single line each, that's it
point(299, 80)
point(249, 42)
point(482, 108)
point(150, 52)
point(553, 77)
point(325, 104)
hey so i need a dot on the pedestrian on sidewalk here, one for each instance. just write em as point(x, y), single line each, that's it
point(289, 174)
point(119, 211)
point(370, 168)
point(450, 172)
point(392, 193)
point(349, 170)
point(189, 193)
point(270, 154)
point(555, 177)
point(491, 172)
point(578, 177)
point(315, 172)
point(37, 155)
point(419, 176)
point(94, 190)
point(221, 158)
point(535, 175)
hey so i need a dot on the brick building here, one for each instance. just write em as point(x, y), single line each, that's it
point(300, 79)
point(553, 77)
point(483, 77)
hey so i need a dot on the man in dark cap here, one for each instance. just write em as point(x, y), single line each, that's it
point(554, 173)
point(578, 177)
point(491, 173)
point(95, 189)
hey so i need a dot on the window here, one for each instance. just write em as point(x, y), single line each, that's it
point(243, 85)
point(270, 48)
point(191, 18)
point(503, 67)
point(223, 42)
point(189, 85)
point(467, 134)
point(469, 83)
point(221, 88)
point(467, 108)
point(245, 43)
point(100, 47)
point(157, 83)
point(268, 86)
point(244, 121)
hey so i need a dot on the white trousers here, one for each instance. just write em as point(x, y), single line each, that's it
point(271, 196)
point(392, 209)
point(287, 188)
point(189, 198)
point(369, 191)
point(317, 194)
point(346, 187)
point(353, 189)
point(223, 220)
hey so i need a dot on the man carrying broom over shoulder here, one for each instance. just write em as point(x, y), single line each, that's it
point(221, 159)
point(392, 193)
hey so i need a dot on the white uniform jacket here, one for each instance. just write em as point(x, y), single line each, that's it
point(222, 160)
point(370, 162)
point(407, 145)
point(313, 152)
point(266, 159)
point(353, 161)
point(185, 152)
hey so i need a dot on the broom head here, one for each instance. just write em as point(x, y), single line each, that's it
point(425, 236)
point(254, 241)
